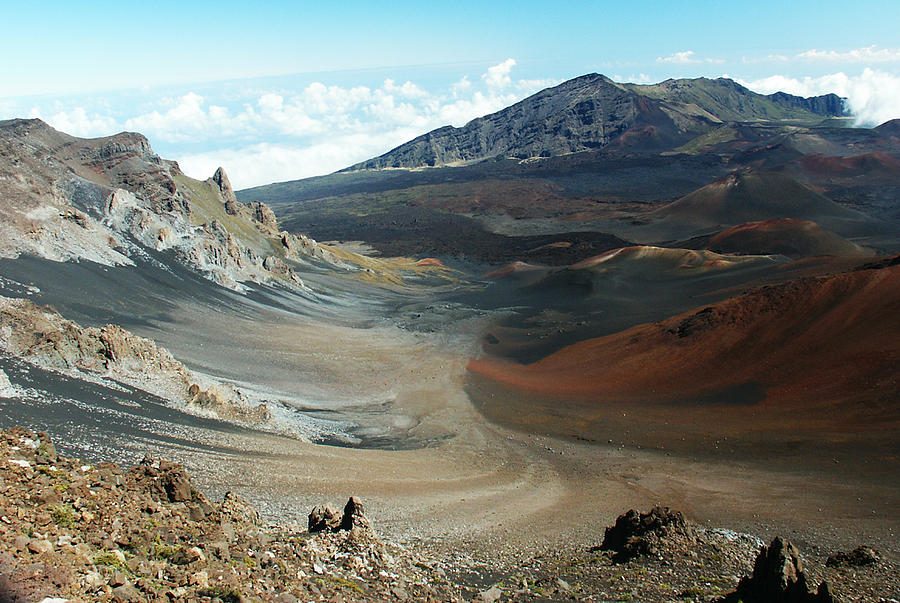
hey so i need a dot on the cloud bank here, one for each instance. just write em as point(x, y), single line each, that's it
point(268, 135)
point(873, 97)
point(266, 131)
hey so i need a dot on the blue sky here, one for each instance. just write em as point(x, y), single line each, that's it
point(277, 91)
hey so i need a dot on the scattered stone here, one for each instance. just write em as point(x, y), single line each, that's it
point(490, 595)
point(40, 546)
point(187, 555)
point(237, 508)
point(127, 592)
point(165, 481)
point(118, 579)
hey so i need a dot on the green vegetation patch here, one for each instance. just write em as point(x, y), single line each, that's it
point(227, 594)
point(64, 516)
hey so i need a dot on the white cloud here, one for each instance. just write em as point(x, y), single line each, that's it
point(686, 57)
point(186, 119)
point(78, 122)
point(267, 162)
point(278, 132)
point(406, 90)
point(872, 96)
point(498, 75)
point(461, 87)
point(868, 54)
point(331, 127)
point(639, 78)
point(679, 58)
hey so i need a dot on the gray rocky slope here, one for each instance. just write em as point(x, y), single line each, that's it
point(592, 111)
point(109, 200)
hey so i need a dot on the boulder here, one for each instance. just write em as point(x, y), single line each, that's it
point(636, 533)
point(858, 557)
point(778, 577)
point(355, 516)
point(238, 509)
point(187, 555)
point(164, 480)
point(325, 518)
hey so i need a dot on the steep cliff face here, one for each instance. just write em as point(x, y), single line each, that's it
point(826, 104)
point(592, 111)
point(110, 199)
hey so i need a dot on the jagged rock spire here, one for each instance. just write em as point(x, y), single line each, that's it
point(220, 179)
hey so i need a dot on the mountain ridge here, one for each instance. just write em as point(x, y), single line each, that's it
point(592, 111)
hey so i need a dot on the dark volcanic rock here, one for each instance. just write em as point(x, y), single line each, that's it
point(827, 104)
point(325, 518)
point(579, 115)
point(355, 516)
point(861, 555)
point(165, 481)
point(778, 577)
point(636, 533)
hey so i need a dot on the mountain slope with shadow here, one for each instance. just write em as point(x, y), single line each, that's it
point(756, 196)
point(592, 111)
point(786, 236)
point(807, 346)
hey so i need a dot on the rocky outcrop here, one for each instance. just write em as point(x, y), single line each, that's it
point(858, 557)
point(778, 577)
point(223, 184)
point(325, 518)
point(107, 199)
point(73, 531)
point(636, 534)
point(264, 215)
point(826, 104)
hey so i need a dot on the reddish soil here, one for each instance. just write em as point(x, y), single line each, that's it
point(830, 343)
point(870, 165)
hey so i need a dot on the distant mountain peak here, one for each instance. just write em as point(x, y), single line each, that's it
point(592, 111)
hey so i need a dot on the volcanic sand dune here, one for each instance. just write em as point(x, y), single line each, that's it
point(829, 343)
point(785, 236)
point(751, 197)
point(624, 263)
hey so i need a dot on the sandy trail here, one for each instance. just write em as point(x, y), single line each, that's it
point(475, 487)
point(479, 487)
